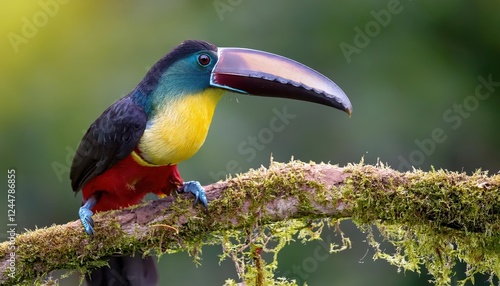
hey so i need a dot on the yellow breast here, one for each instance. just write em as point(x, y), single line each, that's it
point(179, 128)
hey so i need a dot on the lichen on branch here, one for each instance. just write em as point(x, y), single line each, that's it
point(434, 219)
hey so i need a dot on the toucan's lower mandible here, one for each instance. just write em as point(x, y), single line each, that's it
point(265, 74)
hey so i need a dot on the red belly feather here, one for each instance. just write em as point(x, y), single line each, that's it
point(127, 182)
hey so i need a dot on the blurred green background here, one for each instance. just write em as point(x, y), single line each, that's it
point(411, 69)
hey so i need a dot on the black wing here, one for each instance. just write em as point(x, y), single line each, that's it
point(111, 138)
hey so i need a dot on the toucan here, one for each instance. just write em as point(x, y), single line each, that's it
point(134, 147)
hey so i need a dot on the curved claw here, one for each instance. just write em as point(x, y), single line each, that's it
point(85, 213)
point(195, 188)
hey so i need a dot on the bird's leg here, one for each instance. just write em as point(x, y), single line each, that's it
point(192, 187)
point(195, 188)
point(85, 213)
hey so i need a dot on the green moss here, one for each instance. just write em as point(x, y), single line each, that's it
point(433, 219)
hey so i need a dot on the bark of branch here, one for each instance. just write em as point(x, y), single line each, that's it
point(365, 193)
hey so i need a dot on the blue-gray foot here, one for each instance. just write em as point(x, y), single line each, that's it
point(86, 213)
point(195, 188)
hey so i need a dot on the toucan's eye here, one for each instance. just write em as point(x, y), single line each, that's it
point(203, 59)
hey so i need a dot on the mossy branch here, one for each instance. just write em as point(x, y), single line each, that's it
point(435, 217)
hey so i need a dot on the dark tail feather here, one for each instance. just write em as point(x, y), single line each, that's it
point(125, 270)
